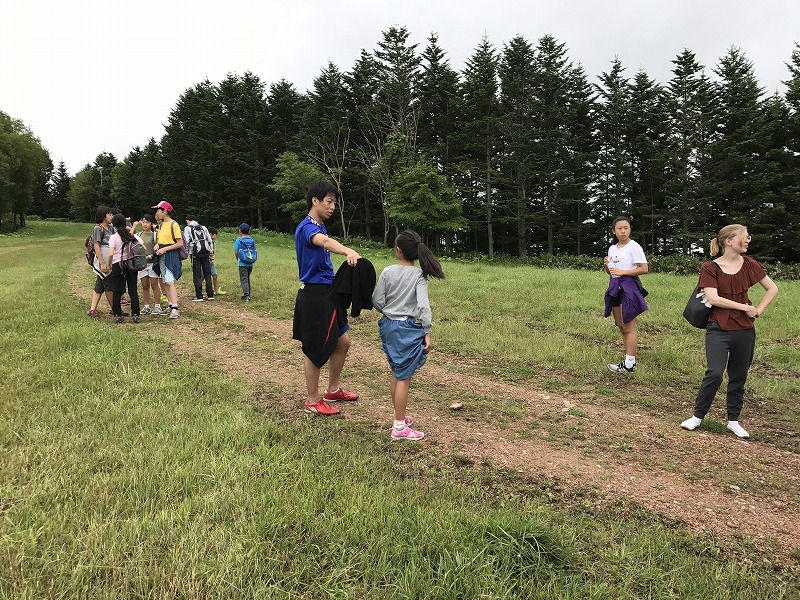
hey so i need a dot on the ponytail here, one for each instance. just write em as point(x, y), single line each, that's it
point(411, 246)
point(727, 232)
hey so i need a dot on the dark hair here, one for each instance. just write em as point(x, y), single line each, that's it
point(150, 219)
point(116, 211)
point(191, 218)
point(212, 230)
point(101, 213)
point(119, 222)
point(412, 248)
point(318, 189)
point(618, 219)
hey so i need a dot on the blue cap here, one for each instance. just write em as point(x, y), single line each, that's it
point(244, 228)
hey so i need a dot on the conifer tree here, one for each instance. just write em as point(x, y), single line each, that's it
point(439, 107)
point(399, 67)
point(686, 216)
point(478, 142)
point(59, 191)
point(613, 186)
point(647, 135)
point(516, 71)
point(362, 83)
point(733, 153)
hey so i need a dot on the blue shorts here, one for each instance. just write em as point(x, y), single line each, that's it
point(213, 269)
point(403, 342)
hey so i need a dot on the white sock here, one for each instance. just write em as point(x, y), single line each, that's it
point(629, 361)
point(399, 425)
point(146, 306)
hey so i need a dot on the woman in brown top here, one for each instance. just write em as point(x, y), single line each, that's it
point(730, 335)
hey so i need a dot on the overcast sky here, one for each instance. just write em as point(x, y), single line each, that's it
point(89, 76)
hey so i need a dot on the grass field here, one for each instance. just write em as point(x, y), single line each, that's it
point(128, 473)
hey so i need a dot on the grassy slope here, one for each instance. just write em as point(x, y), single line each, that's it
point(125, 475)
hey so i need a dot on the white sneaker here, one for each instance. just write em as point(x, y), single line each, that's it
point(156, 309)
point(146, 309)
point(173, 314)
point(691, 423)
point(738, 430)
point(621, 368)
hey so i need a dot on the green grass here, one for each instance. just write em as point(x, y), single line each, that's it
point(127, 471)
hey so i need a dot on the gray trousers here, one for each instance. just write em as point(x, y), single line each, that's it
point(733, 349)
point(244, 279)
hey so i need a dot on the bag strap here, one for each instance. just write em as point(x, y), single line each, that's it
point(172, 232)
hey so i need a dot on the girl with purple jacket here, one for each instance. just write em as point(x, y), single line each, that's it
point(624, 297)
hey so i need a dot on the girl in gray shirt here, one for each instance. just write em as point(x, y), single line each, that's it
point(401, 295)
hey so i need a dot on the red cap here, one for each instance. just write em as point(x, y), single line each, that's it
point(165, 205)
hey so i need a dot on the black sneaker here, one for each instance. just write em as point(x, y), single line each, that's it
point(247, 298)
point(621, 368)
point(196, 299)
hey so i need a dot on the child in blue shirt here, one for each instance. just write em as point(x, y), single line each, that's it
point(244, 249)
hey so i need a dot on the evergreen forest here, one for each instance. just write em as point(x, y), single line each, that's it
point(520, 153)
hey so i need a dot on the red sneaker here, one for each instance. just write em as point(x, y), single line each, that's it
point(320, 407)
point(340, 395)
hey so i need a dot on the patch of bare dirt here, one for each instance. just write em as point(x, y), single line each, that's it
point(617, 452)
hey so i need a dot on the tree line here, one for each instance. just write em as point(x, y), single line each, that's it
point(518, 153)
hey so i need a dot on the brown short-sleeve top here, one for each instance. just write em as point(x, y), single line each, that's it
point(733, 287)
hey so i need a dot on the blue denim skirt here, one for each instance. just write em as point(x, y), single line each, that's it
point(403, 342)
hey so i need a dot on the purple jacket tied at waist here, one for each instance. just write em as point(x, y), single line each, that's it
point(632, 297)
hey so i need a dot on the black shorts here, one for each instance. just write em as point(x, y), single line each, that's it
point(617, 300)
point(318, 322)
point(103, 284)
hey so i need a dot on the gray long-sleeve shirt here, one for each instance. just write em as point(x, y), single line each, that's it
point(402, 291)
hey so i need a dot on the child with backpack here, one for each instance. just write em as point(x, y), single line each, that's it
point(401, 295)
point(127, 255)
point(244, 249)
point(169, 249)
point(199, 243)
point(99, 255)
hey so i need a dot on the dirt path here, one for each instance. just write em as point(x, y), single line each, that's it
point(613, 453)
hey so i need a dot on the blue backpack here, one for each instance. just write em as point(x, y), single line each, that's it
point(247, 252)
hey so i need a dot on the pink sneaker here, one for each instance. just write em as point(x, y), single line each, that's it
point(340, 396)
point(407, 434)
point(320, 407)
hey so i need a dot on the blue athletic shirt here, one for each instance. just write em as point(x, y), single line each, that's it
point(313, 262)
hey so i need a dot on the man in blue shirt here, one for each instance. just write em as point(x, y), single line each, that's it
point(319, 324)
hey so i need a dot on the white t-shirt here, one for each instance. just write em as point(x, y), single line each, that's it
point(627, 257)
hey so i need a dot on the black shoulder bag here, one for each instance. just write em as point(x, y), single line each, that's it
point(698, 309)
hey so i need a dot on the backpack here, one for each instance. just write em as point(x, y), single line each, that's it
point(201, 241)
point(135, 259)
point(247, 252)
point(89, 244)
